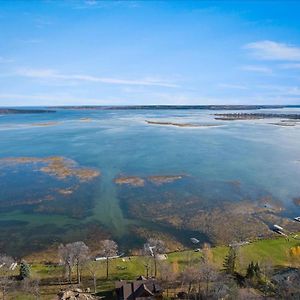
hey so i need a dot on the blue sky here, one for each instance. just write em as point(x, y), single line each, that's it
point(148, 52)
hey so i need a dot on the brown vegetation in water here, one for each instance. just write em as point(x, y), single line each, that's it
point(65, 192)
point(180, 124)
point(57, 166)
point(296, 201)
point(131, 180)
point(45, 124)
point(228, 222)
point(284, 124)
point(136, 181)
point(85, 119)
point(163, 179)
point(145, 233)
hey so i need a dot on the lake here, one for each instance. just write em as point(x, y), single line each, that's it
point(94, 174)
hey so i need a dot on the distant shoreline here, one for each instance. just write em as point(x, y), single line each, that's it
point(50, 109)
point(164, 107)
point(14, 111)
point(255, 116)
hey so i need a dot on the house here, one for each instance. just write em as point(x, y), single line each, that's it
point(140, 289)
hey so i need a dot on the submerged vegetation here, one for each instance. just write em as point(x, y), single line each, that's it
point(136, 181)
point(57, 166)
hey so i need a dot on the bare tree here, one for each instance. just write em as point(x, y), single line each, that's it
point(92, 268)
point(32, 287)
point(155, 247)
point(73, 254)
point(267, 269)
point(288, 287)
point(208, 275)
point(188, 277)
point(67, 258)
point(167, 276)
point(225, 287)
point(81, 254)
point(6, 282)
point(208, 271)
point(147, 261)
point(108, 249)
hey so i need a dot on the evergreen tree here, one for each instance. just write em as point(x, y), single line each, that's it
point(250, 270)
point(24, 270)
point(257, 270)
point(229, 261)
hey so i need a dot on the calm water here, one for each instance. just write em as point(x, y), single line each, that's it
point(263, 158)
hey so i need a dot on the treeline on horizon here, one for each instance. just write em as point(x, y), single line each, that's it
point(160, 106)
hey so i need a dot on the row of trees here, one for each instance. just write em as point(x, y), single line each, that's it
point(74, 257)
point(77, 254)
point(202, 280)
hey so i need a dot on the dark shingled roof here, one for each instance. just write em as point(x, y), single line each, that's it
point(138, 289)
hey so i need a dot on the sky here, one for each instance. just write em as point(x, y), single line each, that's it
point(149, 52)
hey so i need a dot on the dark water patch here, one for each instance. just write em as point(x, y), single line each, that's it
point(12, 223)
point(45, 194)
point(22, 240)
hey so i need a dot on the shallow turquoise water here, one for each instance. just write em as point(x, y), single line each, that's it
point(264, 158)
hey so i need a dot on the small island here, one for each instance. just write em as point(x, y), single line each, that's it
point(164, 123)
point(255, 116)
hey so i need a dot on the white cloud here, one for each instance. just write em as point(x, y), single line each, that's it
point(283, 91)
point(54, 75)
point(270, 50)
point(290, 66)
point(55, 99)
point(258, 69)
point(232, 86)
point(98, 4)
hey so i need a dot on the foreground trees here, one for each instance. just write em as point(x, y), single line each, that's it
point(92, 269)
point(32, 287)
point(208, 272)
point(153, 248)
point(73, 254)
point(6, 280)
point(24, 270)
point(230, 261)
point(81, 255)
point(108, 249)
